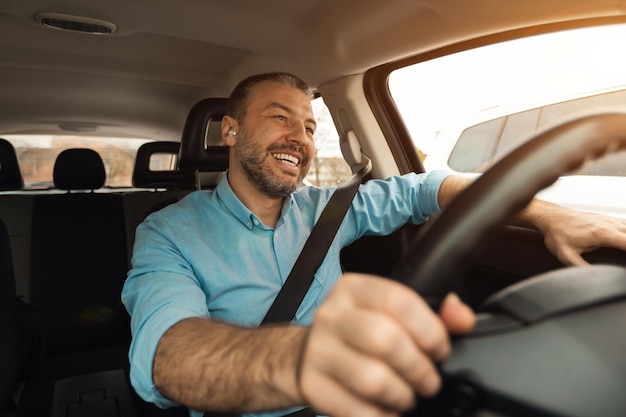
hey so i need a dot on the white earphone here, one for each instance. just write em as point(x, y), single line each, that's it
point(232, 133)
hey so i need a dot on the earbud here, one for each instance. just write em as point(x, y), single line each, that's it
point(232, 133)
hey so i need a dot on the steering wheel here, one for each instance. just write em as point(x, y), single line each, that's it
point(546, 346)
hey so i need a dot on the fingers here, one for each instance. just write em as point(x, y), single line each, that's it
point(338, 402)
point(570, 234)
point(402, 306)
point(608, 232)
point(362, 378)
point(456, 316)
point(375, 342)
point(381, 359)
point(572, 257)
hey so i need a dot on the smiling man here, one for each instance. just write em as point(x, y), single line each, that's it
point(206, 270)
point(271, 137)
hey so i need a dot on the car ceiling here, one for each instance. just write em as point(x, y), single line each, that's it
point(166, 55)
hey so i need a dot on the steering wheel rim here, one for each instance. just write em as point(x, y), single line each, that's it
point(448, 241)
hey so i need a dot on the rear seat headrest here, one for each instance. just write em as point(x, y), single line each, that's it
point(79, 169)
point(195, 153)
point(144, 177)
point(10, 173)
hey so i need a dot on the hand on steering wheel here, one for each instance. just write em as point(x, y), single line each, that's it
point(444, 245)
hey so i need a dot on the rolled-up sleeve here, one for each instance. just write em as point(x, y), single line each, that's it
point(382, 206)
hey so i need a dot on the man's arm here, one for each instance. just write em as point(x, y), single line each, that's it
point(207, 365)
point(370, 348)
point(567, 233)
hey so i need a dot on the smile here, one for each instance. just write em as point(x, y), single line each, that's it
point(286, 158)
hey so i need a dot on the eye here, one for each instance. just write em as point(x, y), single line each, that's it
point(280, 117)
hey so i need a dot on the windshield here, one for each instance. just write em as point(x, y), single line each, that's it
point(467, 110)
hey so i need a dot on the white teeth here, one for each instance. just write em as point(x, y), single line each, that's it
point(286, 158)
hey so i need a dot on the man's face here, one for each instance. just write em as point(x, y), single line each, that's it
point(275, 139)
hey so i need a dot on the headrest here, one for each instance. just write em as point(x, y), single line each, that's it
point(196, 152)
point(10, 174)
point(144, 177)
point(79, 169)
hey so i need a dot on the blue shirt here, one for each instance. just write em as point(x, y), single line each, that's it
point(210, 256)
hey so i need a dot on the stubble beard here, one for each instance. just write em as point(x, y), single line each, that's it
point(252, 157)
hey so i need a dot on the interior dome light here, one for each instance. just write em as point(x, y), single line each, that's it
point(76, 23)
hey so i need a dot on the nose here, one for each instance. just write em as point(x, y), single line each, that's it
point(300, 134)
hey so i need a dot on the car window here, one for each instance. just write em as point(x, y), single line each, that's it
point(37, 154)
point(467, 110)
point(482, 145)
point(328, 166)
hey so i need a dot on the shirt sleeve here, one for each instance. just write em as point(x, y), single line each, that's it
point(160, 290)
point(382, 206)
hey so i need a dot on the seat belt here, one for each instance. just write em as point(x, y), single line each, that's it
point(314, 251)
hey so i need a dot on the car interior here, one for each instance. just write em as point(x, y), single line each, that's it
point(549, 341)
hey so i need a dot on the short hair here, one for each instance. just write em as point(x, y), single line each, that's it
point(239, 99)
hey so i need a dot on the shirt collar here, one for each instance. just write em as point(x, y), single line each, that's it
point(239, 210)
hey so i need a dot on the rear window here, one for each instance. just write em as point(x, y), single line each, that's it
point(37, 153)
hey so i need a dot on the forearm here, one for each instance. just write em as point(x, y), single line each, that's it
point(212, 366)
point(567, 233)
point(450, 187)
point(538, 214)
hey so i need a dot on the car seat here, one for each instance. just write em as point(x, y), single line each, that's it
point(78, 268)
point(9, 349)
point(10, 174)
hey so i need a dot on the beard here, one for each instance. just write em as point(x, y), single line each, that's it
point(252, 157)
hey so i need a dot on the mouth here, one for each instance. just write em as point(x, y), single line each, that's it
point(286, 159)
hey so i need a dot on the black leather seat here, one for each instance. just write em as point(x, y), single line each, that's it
point(78, 268)
point(10, 174)
point(170, 179)
point(9, 348)
point(78, 257)
point(200, 164)
point(201, 148)
point(16, 211)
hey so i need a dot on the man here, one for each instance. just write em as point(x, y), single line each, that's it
point(206, 270)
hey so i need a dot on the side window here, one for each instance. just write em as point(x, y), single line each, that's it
point(328, 166)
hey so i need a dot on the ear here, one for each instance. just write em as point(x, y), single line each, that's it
point(229, 124)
